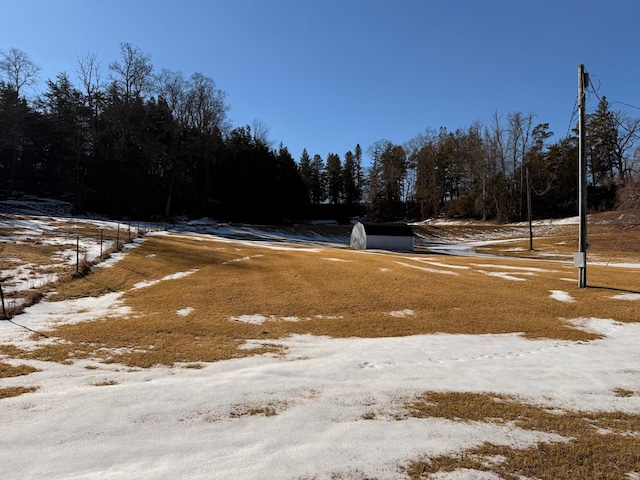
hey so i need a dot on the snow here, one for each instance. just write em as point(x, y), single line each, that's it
point(184, 312)
point(427, 269)
point(513, 267)
point(173, 276)
point(561, 296)
point(108, 422)
point(506, 275)
point(627, 296)
point(90, 420)
point(465, 474)
point(401, 313)
point(256, 319)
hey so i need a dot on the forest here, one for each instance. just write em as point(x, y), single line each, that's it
point(148, 145)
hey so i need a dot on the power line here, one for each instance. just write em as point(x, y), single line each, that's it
point(573, 116)
point(26, 328)
point(615, 119)
point(595, 91)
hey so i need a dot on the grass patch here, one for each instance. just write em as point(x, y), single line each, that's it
point(30, 251)
point(105, 383)
point(7, 370)
point(15, 391)
point(268, 410)
point(22, 301)
point(194, 366)
point(623, 392)
point(605, 445)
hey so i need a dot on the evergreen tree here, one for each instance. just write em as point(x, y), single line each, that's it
point(15, 116)
point(334, 178)
point(68, 138)
point(350, 180)
point(318, 186)
point(357, 158)
point(602, 140)
point(427, 189)
point(305, 171)
point(17, 70)
point(386, 179)
point(561, 199)
point(290, 192)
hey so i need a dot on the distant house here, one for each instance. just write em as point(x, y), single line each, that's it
point(382, 236)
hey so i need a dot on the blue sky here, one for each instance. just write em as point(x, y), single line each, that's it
point(327, 75)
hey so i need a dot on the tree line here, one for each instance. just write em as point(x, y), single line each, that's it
point(141, 143)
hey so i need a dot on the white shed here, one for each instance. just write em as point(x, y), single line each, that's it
point(383, 236)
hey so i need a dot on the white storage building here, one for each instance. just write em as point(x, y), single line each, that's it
point(382, 236)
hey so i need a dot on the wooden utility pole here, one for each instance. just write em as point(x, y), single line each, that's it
point(529, 211)
point(580, 258)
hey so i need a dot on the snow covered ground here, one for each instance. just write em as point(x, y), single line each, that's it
point(299, 416)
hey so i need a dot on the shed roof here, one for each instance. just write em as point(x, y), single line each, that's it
point(388, 229)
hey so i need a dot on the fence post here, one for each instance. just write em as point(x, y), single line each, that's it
point(4, 311)
point(101, 238)
point(77, 253)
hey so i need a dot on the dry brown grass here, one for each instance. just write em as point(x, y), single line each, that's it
point(609, 240)
point(605, 445)
point(15, 391)
point(268, 410)
point(23, 300)
point(105, 383)
point(340, 293)
point(7, 370)
point(31, 252)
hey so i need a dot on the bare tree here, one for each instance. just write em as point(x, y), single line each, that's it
point(206, 105)
point(89, 75)
point(18, 69)
point(133, 74)
point(519, 130)
point(261, 133)
point(422, 159)
point(628, 132)
point(476, 167)
point(629, 198)
point(495, 135)
point(173, 88)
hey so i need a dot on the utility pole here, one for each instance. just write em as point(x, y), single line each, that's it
point(580, 258)
point(529, 215)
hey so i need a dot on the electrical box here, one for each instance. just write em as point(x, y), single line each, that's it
point(580, 259)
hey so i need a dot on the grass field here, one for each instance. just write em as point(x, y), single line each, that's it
point(190, 300)
point(338, 292)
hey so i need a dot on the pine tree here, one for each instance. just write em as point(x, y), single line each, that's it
point(305, 170)
point(318, 181)
point(350, 180)
point(602, 140)
point(360, 183)
point(334, 178)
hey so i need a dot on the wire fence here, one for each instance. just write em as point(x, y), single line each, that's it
point(81, 246)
